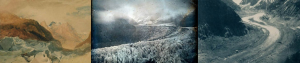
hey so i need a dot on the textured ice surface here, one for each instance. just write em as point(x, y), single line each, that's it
point(175, 47)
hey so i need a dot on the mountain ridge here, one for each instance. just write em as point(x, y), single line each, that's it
point(14, 26)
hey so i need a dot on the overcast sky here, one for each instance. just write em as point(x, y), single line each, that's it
point(141, 12)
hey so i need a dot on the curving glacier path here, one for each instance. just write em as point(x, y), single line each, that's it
point(264, 49)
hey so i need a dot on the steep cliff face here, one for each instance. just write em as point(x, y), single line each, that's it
point(216, 18)
point(13, 26)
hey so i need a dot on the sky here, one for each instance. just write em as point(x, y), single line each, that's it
point(141, 12)
point(75, 12)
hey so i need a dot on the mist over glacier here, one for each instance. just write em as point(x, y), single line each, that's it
point(142, 12)
point(144, 31)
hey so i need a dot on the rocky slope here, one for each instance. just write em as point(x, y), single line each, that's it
point(13, 26)
point(25, 40)
point(218, 19)
point(295, 57)
point(64, 33)
point(232, 4)
point(88, 41)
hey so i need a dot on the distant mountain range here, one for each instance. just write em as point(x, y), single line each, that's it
point(290, 8)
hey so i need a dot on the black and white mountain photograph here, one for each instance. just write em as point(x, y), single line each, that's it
point(144, 31)
point(248, 31)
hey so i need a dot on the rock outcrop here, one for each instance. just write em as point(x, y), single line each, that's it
point(218, 19)
point(14, 26)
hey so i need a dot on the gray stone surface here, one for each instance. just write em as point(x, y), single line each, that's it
point(6, 43)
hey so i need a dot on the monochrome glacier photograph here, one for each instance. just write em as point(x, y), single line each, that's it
point(248, 31)
point(144, 31)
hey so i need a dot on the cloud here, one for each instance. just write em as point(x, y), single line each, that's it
point(142, 12)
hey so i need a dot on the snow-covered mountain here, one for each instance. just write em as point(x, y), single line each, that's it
point(290, 8)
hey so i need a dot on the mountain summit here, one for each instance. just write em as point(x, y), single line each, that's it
point(14, 26)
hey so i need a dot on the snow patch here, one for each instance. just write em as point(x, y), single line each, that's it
point(237, 1)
